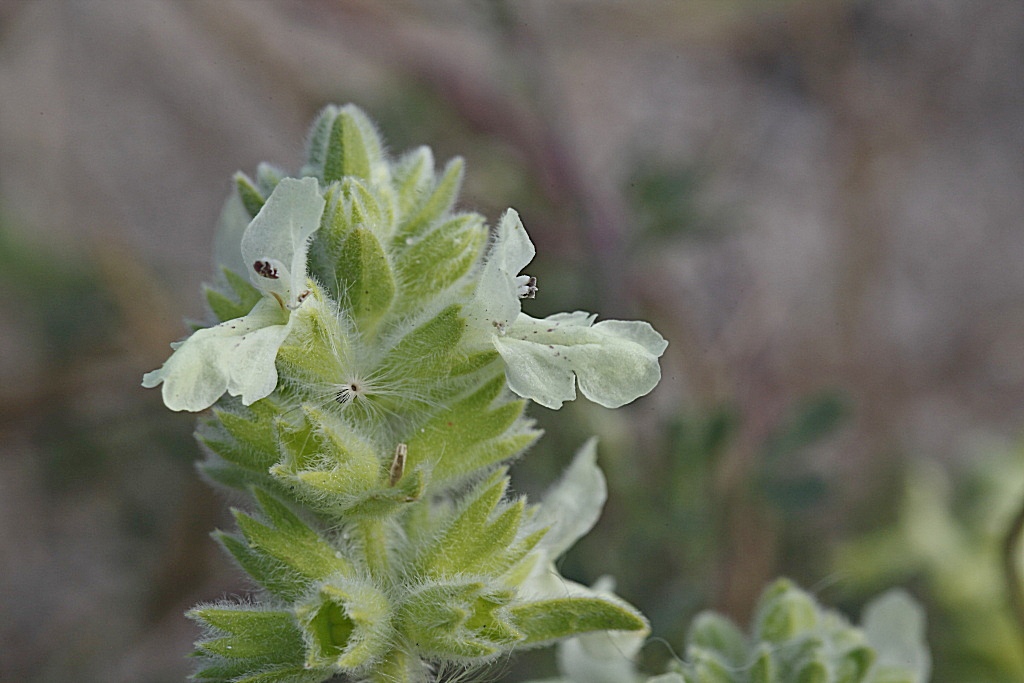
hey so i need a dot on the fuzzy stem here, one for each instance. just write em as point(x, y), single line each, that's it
point(375, 546)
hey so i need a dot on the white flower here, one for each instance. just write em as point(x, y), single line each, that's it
point(614, 361)
point(603, 656)
point(238, 356)
point(570, 509)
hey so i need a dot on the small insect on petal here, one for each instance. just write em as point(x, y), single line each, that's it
point(265, 269)
point(398, 464)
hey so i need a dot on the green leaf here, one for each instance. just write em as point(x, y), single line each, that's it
point(764, 669)
point(462, 621)
point(549, 620)
point(348, 625)
point(352, 146)
point(712, 631)
point(314, 354)
point(437, 260)
point(385, 501)
point(226, 307)
point(352, 205)
point(815, 671)
point(427, 351)
point(325, 444)
point(412, 177)
point(479, 429)
point(268, 177)
point(708, 667)
point(259, 645)
point(853, 666)
point(252, 198)
point(234, 477)
point(292, 543)
point(470, 535)
point(332, 469)
point(783, 612)
point(277, 631)
point(269, 572)
point(317, 146)
point(286, 521)
point(436, 204)
point(364, 277)
point(289, 674)
point(243, 435)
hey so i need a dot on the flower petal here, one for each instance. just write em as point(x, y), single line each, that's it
point(281, 232)
point(573, 505)
point(571, 508)
point(236, 356)
point(537, 372)
point(615, 361)
point(496, 302)
point(601, 656)
point(623, 367)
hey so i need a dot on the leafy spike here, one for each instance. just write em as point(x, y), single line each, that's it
point(360, 383)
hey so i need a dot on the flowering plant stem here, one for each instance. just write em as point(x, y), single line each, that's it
point(368, 372)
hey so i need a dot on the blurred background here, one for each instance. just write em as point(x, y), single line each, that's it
point(819, 203)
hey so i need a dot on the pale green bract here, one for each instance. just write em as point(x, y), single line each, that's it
point(238, 356)
point(614, 361)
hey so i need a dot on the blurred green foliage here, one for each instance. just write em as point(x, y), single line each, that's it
point(781, 477)
point(793, 639)
point(946, 541)
point(63, 301)
point(669, 200)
